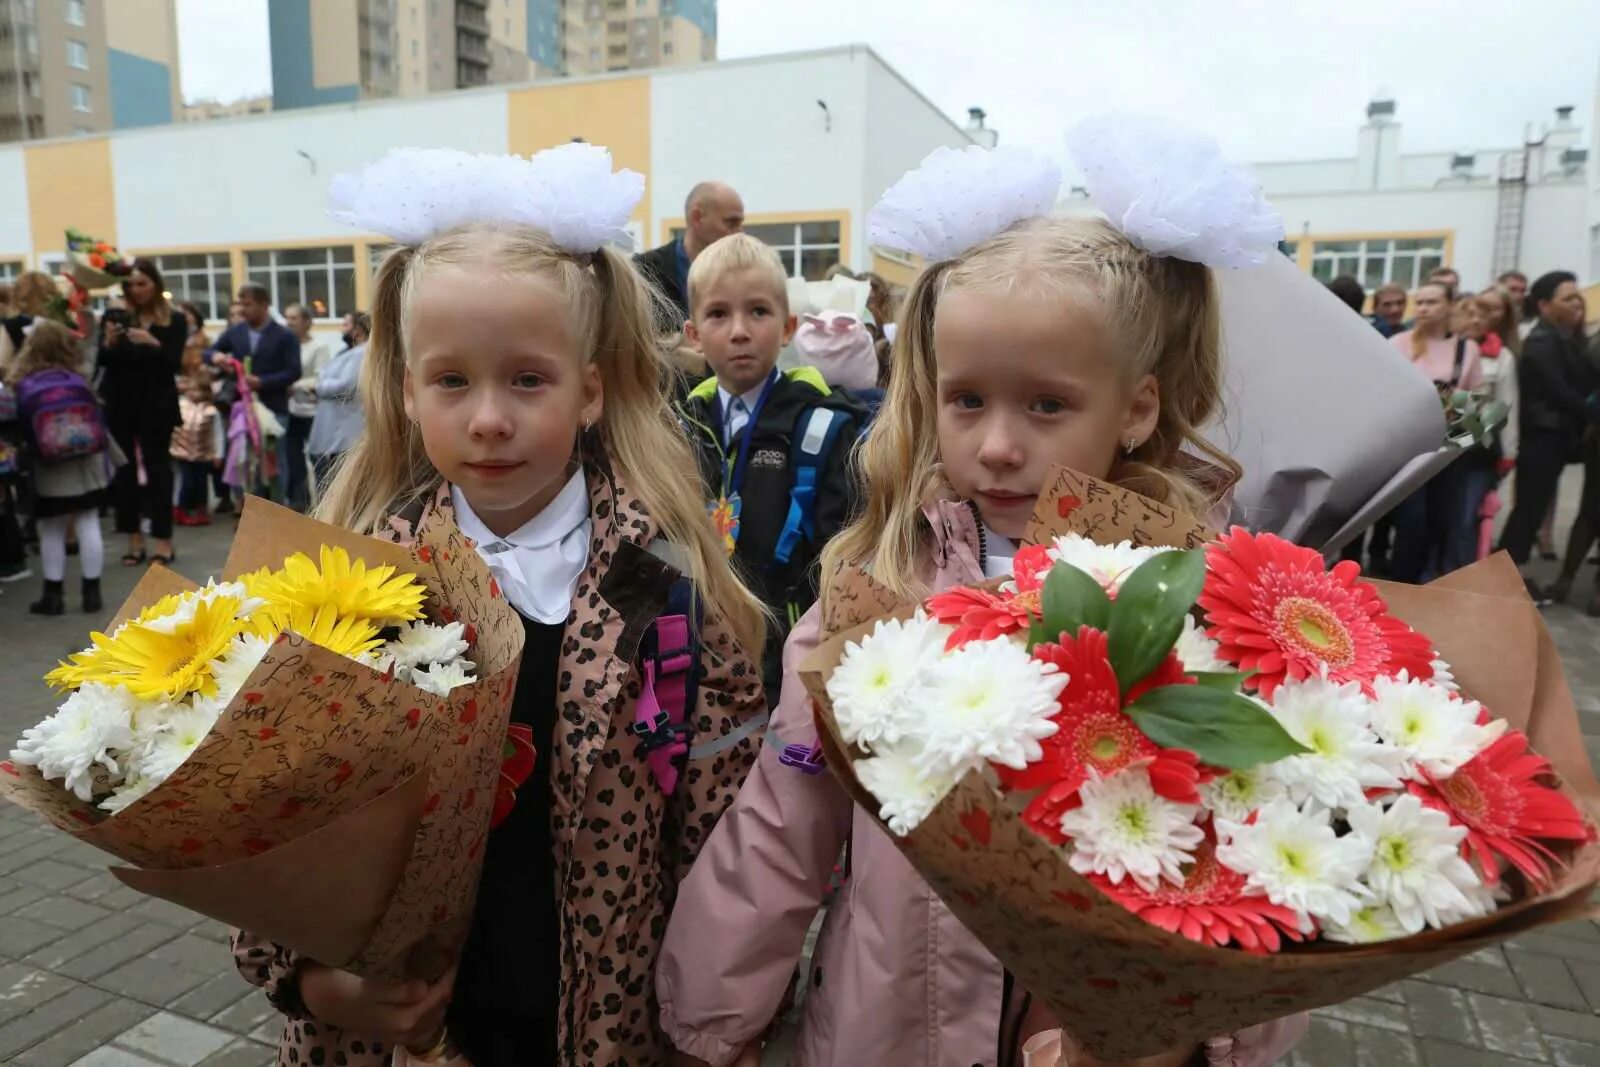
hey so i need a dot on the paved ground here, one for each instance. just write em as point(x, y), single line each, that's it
point(92, 973)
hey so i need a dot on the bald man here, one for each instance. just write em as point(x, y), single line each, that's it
point(711, 212)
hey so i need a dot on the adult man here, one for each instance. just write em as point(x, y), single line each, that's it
point(1389, 309)
point(1447, 277)
point(1516, 283)
point(711, 212)
point(270, 351)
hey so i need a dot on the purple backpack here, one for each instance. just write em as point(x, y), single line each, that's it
point(63, 415)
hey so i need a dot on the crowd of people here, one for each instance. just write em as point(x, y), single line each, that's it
point(619, 434)
point(1523, 346)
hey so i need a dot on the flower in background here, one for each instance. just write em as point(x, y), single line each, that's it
point(422, 643)
point(978, 615)
point(1122, 828)
point(1375, 922)
point(232, 669)
point(1029, 568)
point(1095, 736)
point(440, 678)
point(1233, 796)
point(1346, 760)
point(1210, 906)
point(348, 587)
point(1198, 653)
point(1416, 867)
point(1434, 731)
point(1500, 796)
point(1292, 855)
point(878, 688)
point(906, 793)
point(1275, 611)
point(1109, 565)
point(987, 701)
point(157, 661)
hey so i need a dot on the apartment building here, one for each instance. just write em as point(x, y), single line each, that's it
point(77, 67)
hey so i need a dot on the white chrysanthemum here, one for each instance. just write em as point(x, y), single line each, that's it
point(1109, 565)
point(1416, 865)
point(957, 198)
point(1375, 922)
point(906, 794)
point(422, 643)
point(233, 670)
point(988, 700)
point(1197, 652)
point(89, 730)
point(1123, 829)
point(1443, 676)
point(442, 677)
point(135, 787)
point(190, 602)
point(1238, 793)
point(1292, 855)
point(164, 747)
point(1346, 757)
point(878, 688)
point(1433, 730)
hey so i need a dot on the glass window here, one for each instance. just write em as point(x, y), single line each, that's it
point(1290, 249)
point(204, 279)
point(324, 279)
point(807, 249)
point(666, 48)
point(75, 13)
point(77, 55)
point(9, 269)
point(81, 100)
point(1403, 261)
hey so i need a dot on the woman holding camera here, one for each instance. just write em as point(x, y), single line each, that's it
point(141, 352)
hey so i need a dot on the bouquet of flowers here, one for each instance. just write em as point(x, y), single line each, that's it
point(1212, 783)
point(94, 264)
point(310, 748)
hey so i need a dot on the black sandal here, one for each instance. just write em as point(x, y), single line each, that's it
point(132, 559)
point(165, 561)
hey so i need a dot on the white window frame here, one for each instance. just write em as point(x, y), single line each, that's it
point(797, 247)
point(1354, 254)
point(76, 15)
point(77, 54)
point(217, 274)
point(10, 268)
point(336, 258)
point(82, 99)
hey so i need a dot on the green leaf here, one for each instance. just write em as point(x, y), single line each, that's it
point(1071, 600)
point(1037, 634)
point(1223, 729)
point(1147, 616)
point(1224, 681)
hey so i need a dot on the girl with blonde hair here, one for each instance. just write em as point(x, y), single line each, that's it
point(513, 386)
point(1028, 342)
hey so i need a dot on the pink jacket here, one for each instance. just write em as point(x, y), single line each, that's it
point(895, 977)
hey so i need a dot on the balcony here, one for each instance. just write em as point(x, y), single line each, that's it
point(472, 18)
point(471, 49)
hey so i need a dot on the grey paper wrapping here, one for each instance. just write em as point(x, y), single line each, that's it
point(1319, 410)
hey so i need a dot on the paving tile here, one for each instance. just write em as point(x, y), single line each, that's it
point(195, 954)
point(20, 895)
point(164, 912)
point(1438, 1053)
point(45, 1019)
point(87, 1034)
point(75, 944)
point(174, 1038)
point(62, 911)
point(243, 1054)
point(1327, 1044)
point(116, 1057)
point(1553, 941)
point(1565, 1052)
point(1576, 1025)
point(1588, 978)
point(1507, 1026)
point(1548, 980)
point(104, 889)
point(23, 988)
point(212, 996)
point(151, 980)
point(39, 846)
point(51, 874)
point(102, 958)
point(1440, 1011)
point(1394, 994)
point(246, 1014)
point(1366, 1011)
point(1477, 977)
point(18, 937)
point(1384, 1048)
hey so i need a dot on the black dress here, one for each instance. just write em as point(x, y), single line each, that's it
point(503, 1013)
point(140, 390)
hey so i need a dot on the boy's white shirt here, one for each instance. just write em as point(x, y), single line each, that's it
point(999, 554)
point(539, 563)
point(733, 421)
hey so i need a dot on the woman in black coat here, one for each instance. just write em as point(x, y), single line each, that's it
point(141, 353)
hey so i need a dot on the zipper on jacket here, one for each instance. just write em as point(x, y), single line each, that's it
point(983, 536)
point(727, 464)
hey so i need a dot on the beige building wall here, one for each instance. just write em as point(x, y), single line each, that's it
point(57, 77)
point(425, 46)
point(147, 28)
point(508, 43)
point(335, 46)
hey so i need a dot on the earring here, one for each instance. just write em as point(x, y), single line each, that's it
point(1133, 443)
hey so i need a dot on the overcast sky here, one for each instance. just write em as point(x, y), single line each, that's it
point(1271, 79)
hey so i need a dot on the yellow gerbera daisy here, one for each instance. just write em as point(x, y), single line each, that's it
point(349, 588)
point(156, 664)
point(348, 635)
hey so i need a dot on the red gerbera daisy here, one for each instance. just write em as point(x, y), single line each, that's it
point(1498, 797)
point(1029, 567)
point(1210, 907)
point(1096, 735)
point(981, 616)
point(1276, 611)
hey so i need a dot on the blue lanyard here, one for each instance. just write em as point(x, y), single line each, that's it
point(739, 464)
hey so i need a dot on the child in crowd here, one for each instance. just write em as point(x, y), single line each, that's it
point(69, 449)
point(841, 348)
point(196, 446)
point(512, 386)
point(774, 447)
point(1032, 343)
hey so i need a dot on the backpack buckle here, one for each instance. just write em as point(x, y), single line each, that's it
point(807, 759)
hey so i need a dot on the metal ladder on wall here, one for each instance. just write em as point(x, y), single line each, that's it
point(1510, 210)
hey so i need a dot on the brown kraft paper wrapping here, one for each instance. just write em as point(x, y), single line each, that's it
point(1123, 988)
point(320, 769)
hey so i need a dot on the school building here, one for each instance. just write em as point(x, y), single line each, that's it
point(810, 140)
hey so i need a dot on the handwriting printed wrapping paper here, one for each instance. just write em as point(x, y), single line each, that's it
point(313, 739)
point(1124, 988)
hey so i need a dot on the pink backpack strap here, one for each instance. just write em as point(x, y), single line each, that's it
point(663, 700)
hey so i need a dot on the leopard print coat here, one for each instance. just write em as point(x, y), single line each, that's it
point(620, 845)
